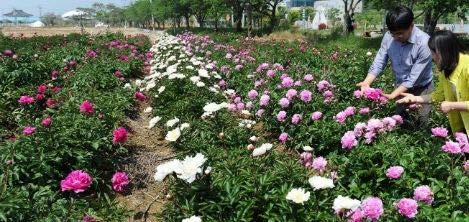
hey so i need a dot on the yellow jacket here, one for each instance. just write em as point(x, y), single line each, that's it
point(458, 83)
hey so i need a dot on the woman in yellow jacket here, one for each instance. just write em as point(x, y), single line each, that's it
point(453, 80)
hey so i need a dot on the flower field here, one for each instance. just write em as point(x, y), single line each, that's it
point(264, 131)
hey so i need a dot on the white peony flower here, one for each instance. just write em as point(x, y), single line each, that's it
point(191, 166)
point(190, 67)
point(192, 219)
point(161, 89)
point(138, 82)
point(345, 203)
point(195, 79)
point(208, 170)
point(200, 84)
point(262, 149)
point(150, 85)
point(298, 195)
point(153, 122)
point(148, 109)
point(318, 182)
point(127, 86)
point(184, 126)
point(253, 138)
point(203, 73)
point(307, 148)
point(173, 135)
point(165, 169)
point(369, 54)
point(171, 122)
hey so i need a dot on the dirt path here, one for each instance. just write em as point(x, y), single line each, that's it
point(147, 149)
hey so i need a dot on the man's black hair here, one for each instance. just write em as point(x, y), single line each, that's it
point(399, 18)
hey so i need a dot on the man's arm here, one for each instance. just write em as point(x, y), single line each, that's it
point(378, 65)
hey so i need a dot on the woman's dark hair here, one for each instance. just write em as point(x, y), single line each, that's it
point(446, 45)
point(399, 18)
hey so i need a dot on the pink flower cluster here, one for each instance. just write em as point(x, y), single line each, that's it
point(459, 147)
point(86, 107)
point(343, 115)
point(372, 94)
point(407, 207)
point(371, 209)
point(119, 181)
point(440, 132)
point(318, 164)
point(119, 135)
point(316, 116)
point(77, 180)
point(394, 172)
point(374, 126)
point(424, 194)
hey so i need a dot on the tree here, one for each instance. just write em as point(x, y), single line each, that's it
point(51, 19)
point(349, 11)
point(200, 9)
point(435, 9)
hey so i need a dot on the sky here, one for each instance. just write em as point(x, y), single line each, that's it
point(52, 6)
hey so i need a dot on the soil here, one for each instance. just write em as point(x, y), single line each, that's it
point(147, 150)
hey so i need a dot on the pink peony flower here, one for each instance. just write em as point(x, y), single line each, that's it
point(322, 85)
point(283, 137)
point(372, 208)
point(328, 94)
point(407, 207)
point(364, 110)
point(50, 103)
point(375, 124)
point(120, 135)
point(466, 167)
point(350, 111)
point(389, 123)
point(341, 117)
point(232, 107)
point(369, 136)
point(287, 82)
point(394, 172)
point(41, 89)
point(264, 100)
point(283, 76)
point(306, 157)
point(29, 130)
point(88, 218)
point(463, 141)
point(284, 102)
point(291, 93)
point(281, 116)
point(77, 180)
point(140, 96)
point(319, 163)
point(86, 107)
point(24, 100)
point(222, 83)
point(296, 119)
point(349, 140)
point(118, 74)
point(316, 116)
point(308, 78)
point(47, 121)
point(306, 96)
point(359, 129)
point(271, 73)
point(440, 132)
point(39, 97)
point(373, 94)
point(451, 147)
point(297, 83)
point(358, 94)
point(260, 112)
point(424, 194)
point(398, 119)
point(119, 181)
point(252, 94)
point(356, 216)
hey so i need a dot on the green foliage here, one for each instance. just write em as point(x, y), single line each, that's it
point(31, 167)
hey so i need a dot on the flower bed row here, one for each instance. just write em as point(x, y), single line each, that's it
point(63, 105)
point(272, 133)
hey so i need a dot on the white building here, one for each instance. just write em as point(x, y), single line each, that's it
point(338, 4)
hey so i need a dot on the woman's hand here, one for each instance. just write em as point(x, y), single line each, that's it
point(409, 98)
point(446, 106)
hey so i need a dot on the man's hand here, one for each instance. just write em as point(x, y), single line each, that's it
point(389, 96)
point(363, 86)
point(409, 98)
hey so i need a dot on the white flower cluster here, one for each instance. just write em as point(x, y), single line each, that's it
point(186, 169)
point(298, 195)
point(174, 134)
point(247, 123)
point(345, 203)
point(318, 182)
point(262, 149)
point(211, 108)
